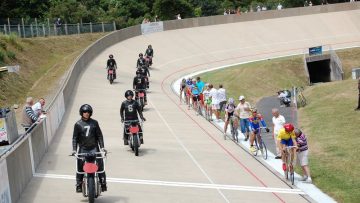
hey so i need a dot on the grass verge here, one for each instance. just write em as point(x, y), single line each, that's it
point(329, 119)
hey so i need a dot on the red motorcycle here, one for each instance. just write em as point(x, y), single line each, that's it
point(111, 75)
point(148, 60)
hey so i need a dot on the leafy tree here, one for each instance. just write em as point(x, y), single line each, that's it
point(168, 9)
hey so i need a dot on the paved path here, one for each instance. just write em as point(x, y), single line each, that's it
point(181, 149)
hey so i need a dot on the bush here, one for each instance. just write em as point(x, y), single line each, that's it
point(2, 56)
point(11, 55)
point(3, 44)
point(13, 39)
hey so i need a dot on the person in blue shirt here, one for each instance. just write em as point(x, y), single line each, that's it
point(195, 93)
point(201, 86)
point(255, 120)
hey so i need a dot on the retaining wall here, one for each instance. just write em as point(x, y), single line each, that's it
point(23, 158)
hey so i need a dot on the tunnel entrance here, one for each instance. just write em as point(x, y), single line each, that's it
point(319, 71)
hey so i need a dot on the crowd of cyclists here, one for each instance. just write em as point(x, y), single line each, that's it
point(207, 100)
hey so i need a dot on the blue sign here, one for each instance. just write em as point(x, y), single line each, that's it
point(315, 50)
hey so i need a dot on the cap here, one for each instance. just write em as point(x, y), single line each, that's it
point(241, 97)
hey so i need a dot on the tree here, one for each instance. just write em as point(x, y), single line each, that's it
point(168, 9)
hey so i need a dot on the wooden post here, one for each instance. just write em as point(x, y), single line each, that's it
point(37, 28)
point(78, 27)
point(66, 29)
point(31, 30)
point(5, 29)
point(48, 24)
point(43, 27)
point(114, 25)
point(91, 27)
point(9, 25)
point(55, 30)
point(19, 31)
point(23, 27)
point(102, 25)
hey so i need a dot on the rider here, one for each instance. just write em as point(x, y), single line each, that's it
point(139, 85)
point(195, 93)
point(207, 99)
point(87, 137)
point(149, 53)
point(141, 61)
point(255, 119)
point(229, 112)
point(111, 65)
point(129, 111)
point(144, 70)
point(286, 137)
point(182, 89)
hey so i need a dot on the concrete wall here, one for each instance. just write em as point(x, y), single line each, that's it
point(26, 155)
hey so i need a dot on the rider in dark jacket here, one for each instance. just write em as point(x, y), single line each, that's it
point(139, 85)
point(87, 138)
point(129, 110)
point(144, 71)
point(141, 61)
point(149, 52)
point(111, 64)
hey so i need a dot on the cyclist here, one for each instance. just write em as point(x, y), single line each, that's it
point(195, 93)
point(182, 89)
point(229, 112)
point(255, 120)
point(129, 110)
point(111, 65)
point(88, 138)
point(139, 85)
point(141, 61)
point(286, 137)
point(149, 53)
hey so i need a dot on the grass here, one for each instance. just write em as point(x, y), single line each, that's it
point(43, 62)
point(329, 119)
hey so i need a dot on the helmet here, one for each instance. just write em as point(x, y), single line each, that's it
point(288, 127)
point(85, 108)
point(149, 46)
point(138, 72)
point(129, 93)
point(111, 56)
point(241, 97)
point(231, 100)
point(141, 55)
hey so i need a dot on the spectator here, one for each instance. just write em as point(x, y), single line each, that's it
point(258, 8)
point(225, 13)
point(215, 102)
point(178, 16)
point(28, 115)
point(58, 25)
point(310, 3)
point(279, 7)
point(358, 107)
point(222, 97)
point(278, 122)
point(264, 8)
point(302, 155)
point(306, 3)
point(156, 18)
point(243, 111)
point(38, 107)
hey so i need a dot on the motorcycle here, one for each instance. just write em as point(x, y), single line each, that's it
point(285, 97)
point(111, 75)
point(132, 130)
point(140, 97)
point(148, 60)
point(91, 186)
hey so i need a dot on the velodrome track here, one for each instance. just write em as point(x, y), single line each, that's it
point(182, 149)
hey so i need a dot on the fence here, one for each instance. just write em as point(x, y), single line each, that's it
point(43, 29)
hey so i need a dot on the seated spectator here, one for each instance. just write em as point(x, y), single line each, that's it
point(38, 107)
point(302, 155)
point(28, 115)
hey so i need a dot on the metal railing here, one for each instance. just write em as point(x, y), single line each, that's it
point(44, 29)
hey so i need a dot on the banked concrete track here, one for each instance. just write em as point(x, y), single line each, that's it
point(181, 149)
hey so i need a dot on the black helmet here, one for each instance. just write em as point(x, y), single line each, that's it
point(129, 93)
point(85, 108)
point(138, 72)
point(140, 55)
point(111, 56)
point(149, 46)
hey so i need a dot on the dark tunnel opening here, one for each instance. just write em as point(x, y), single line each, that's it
point(319, 71)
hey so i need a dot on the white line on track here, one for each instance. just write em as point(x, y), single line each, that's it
point(182, 184)
point(186, 150)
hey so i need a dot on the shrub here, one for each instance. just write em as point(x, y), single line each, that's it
point(2, 56)
point(3, 44)
point(11, 55)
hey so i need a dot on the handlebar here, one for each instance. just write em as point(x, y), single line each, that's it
point(82, 155)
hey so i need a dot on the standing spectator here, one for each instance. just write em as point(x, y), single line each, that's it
point(243, 111)
point(28, 114)
point(222, 97)
point(258, 8)
point(215, 102)
point(279, 7)
point(278, 122)
point(310, 3)
point(178, 16)
point(358, 107)
point(306, 3)
point(38, 107)
point(200, 84)
point(156, 18)
point(58, 25)
point(225, 13)
point(302, 155)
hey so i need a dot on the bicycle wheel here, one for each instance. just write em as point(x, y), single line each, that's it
point(292, 175)
point(263, 150)
point(257, 147)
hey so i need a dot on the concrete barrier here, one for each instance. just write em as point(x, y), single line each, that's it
point(23, 157)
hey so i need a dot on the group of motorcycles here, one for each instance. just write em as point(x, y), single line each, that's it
point(133, 128)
